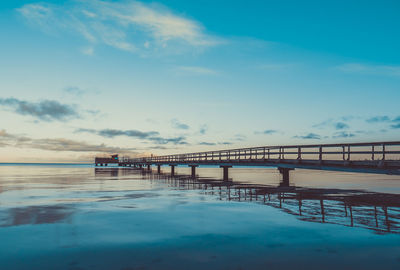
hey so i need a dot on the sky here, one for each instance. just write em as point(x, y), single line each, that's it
point(85, 78)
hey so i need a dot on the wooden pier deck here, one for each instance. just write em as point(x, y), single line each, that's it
point(370, 157)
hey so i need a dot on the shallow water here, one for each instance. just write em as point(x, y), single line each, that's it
point(79, 217)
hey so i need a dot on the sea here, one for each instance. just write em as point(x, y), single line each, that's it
point(76, 216)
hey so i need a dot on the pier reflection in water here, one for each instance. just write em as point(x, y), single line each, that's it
point(371, 210)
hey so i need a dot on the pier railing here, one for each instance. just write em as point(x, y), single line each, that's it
point(373, 151)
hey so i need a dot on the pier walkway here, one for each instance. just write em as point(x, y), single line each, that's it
point(372, 157)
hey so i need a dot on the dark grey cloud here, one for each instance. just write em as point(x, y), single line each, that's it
point(341, 125)
point(88, 130)
point(323, 124)
point(396, 122)
point(4, 138)
point(269, 131)
point(212, 143)
point(46, 110)
point(93, 112)
point(385, 119)
point(149, 136)
point(392, 122)
point(343, 134)
point(111, 133)
point(12, 139)
point(74, 90)
point(225, 143)
point(203, 129)
point(309, 136)
point(336, 125)
point(178, 125)
point(59, 144)
point(207, 143)
point(158, 147)
point(378, 119)
point(177, 140)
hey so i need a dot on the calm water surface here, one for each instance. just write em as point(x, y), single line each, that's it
point(79, 217)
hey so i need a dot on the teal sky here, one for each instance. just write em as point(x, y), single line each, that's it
point(83, 78)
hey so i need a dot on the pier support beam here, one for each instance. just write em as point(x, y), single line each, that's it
point(225, 168)
point(148, 167)
point(193, 170)
point(172, 170)
point(158, 169)
point(285, 175)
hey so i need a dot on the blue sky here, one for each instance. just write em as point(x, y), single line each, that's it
point(80, 78)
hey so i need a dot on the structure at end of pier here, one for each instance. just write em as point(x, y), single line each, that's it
point(106, 161)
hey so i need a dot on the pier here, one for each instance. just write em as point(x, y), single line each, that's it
point(372, 157)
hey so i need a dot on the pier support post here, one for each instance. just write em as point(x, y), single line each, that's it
point(225, 174)
point(148, 167)
point(158, 169)
point(172, 170)
point(193, 170)
point(285, 175)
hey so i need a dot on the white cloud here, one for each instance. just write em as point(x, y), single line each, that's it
point(129, 25)
point(384, 70)
point(162, 23)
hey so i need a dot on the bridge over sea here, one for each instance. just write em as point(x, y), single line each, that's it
point(371, 157)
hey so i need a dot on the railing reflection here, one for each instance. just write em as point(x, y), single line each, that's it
point(375, 211)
